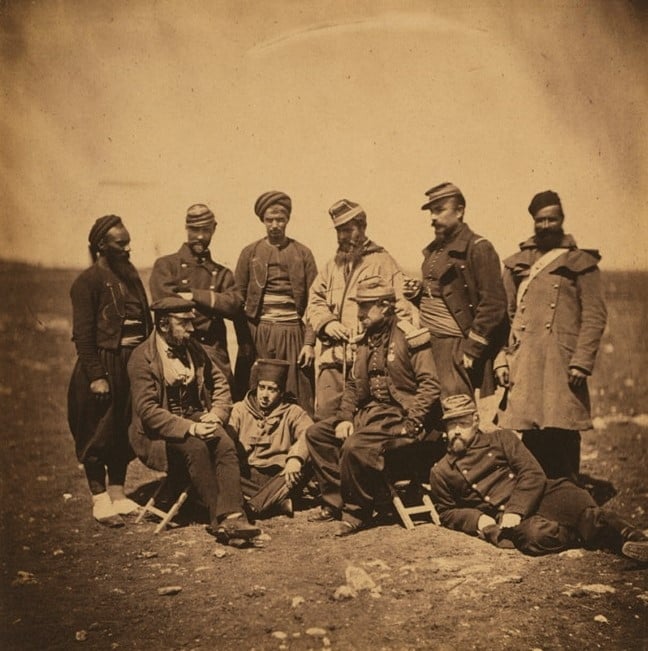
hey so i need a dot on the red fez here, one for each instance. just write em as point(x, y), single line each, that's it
point(542, 200)
point(270, 370)
point(271, 198)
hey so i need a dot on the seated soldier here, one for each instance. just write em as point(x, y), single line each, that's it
point(181, 401)
point(490, 485)
point(387, 403)
point(270, 428)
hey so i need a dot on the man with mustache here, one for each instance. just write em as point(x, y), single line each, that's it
point(274, 275)
point(110, 317)
point(461, 300)
point(388, 403)
point(270, 429)
point(558, 316)
point(192, 274)
point(333, 313)
point(489, 485)
point(181, 401)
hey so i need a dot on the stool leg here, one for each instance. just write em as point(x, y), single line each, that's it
point(172, 511)
point(433, 512)
point(402, 512)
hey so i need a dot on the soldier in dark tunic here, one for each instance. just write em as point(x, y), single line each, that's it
point(110, 318)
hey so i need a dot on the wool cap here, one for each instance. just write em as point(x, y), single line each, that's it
point(373, 288)
point(458, 405)
point(175, 305)
point(441, 191)
point(199, 215)
point(271, 198)
point(344, 211)
point(101, 227)
point(542, 200)
point(271, 370)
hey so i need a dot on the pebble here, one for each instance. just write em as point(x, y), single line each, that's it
point(315, 631)
point(256, 591)
point(24, 578)
point(344, 592)
point(147, 554)
point(279, 635)
point(297, 601)
point(572, 553)
point(58, 552)
point(602, 619)
point(169, 590)
point(381, 565)
point(81, 636)
point(596, 589)
point(219, 552)
point(357, 579)
point(264, 537)
point(67, 496)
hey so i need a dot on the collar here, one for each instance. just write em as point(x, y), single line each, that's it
point(458, 242)
point(567, 242)
point(526, 256)
point(252, 406)
point(187, 255)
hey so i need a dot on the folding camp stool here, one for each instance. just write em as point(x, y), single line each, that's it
point(165, 516)
point(405, 468)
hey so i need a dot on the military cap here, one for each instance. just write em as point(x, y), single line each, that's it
point(199, 215)
point(458, 405)
point(373, 288)
point(442, 191)
point(344, 211)
point(271, 198)
point(543, 200)
point(175, 305)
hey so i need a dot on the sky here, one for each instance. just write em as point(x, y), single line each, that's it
point(143, 108)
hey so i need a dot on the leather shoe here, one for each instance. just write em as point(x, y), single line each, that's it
point(234, 528)
point(324, 514)
point(346, 528)
point(637, 550)
point(286, 508)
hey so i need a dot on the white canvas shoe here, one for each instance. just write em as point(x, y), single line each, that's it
point(104, 512)
point(121, 504)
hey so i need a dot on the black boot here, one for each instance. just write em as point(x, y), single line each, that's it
point(633, 543)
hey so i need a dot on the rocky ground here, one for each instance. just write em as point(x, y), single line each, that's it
point(66, 582)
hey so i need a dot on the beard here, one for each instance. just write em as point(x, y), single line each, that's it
point(352, 255)
point(122, 268)
point(198, 248)
point(457, 447)
point(549, 238)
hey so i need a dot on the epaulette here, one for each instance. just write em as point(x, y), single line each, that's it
point(416, 337)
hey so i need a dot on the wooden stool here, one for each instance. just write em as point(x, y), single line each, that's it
point(165, 516)
point(413, 491)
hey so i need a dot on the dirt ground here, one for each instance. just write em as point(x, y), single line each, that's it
point(66, 582)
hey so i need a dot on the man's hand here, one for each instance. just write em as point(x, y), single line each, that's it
point(188, 296)
point(343, 430)
point(292, 471)
point(502, 376)
point(337, 330)
point(485, 521)
point(100, 388)
point(411, 427)
point(209, 417)
point(306, 356)
point(205, 430)
point(510, 520)
point(467, 361)
point(577, 378)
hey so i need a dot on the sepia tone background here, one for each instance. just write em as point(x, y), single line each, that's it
point(142, 108)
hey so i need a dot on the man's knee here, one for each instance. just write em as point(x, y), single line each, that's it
point(320, 432)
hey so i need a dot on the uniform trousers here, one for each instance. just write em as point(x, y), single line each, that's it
point(349, 472)
point(454, 377)
point(213, 468)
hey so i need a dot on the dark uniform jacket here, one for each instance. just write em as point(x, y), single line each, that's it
point(252, 275)
point(213, 288)
point(496, 475)
point(471, 288)
point(152, 422)
point(411, 378)
point(98, 314)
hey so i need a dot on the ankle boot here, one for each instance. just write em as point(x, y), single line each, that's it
point(633, 543)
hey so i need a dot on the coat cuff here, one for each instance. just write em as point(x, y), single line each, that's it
point(475, 344)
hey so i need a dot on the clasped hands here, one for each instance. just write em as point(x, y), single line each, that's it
point(207, 426)
point(496, 534)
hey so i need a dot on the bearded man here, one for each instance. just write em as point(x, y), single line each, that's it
point(462, 300)
point(110, 317)
point(489, 485)
point(332, 311)
point(557, 313)
point(388, 403)
point(192, 274)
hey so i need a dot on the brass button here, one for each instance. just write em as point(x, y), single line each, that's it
point(185, 281)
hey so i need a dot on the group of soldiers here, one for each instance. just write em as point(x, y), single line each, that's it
point(339, 366)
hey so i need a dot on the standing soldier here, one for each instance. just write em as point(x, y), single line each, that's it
point(110, 318)
point(193, 275)
point(462, 300)
point(333, 313)
point(273, 275)
point(557, 316)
